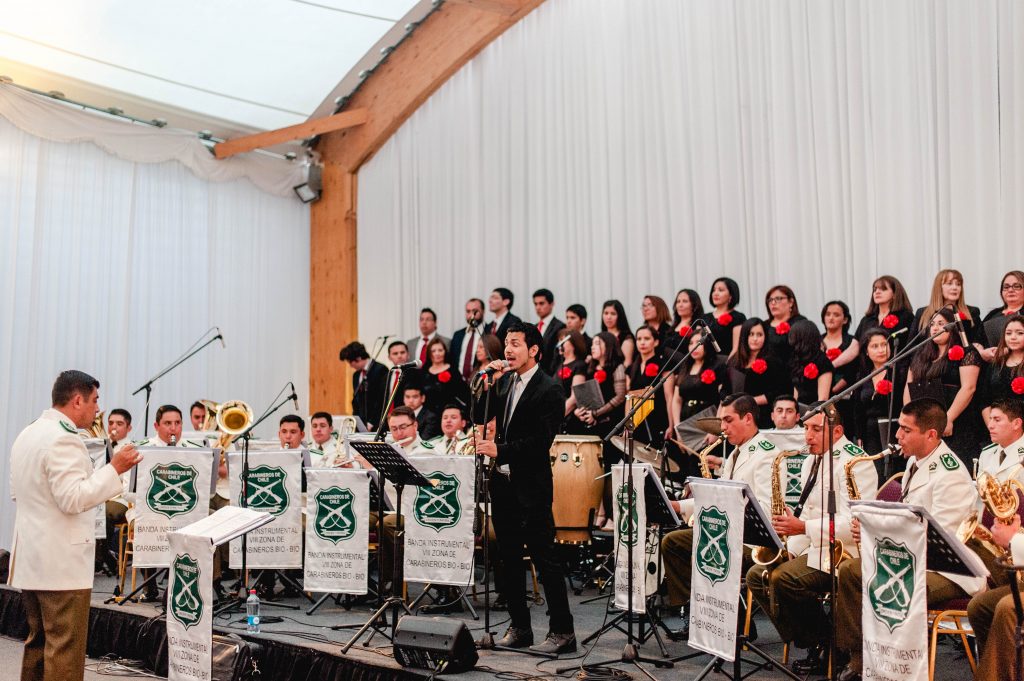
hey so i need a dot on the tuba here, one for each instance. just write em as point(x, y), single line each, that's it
point(210, 420)
point(97, 429)
point(762, 555)
point(1001, 500)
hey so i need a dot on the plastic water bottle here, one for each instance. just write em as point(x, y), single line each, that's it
point(252, 612)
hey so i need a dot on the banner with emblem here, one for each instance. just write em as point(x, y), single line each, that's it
point(172, 490)
point(717, 557)
point(439, 521)
point(189, 608)
point(630, 546)
point(275, 487)
point(895, 609)
point(337, 531)
point(98, 455)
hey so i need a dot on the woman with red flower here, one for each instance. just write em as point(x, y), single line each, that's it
point(878, 399)
point(948, 291)
point(840, 347)
point(1005, 375)
point(890, 308)
point(783, 312)
point(701, 383)
point(1011, 290)
point(688, 309)
point(613, 320)
point(947, 371)
point(441, 384)
point(754, 370)
point(645, 369)
point(809, 368)
point(571, 371)
point(723, 319)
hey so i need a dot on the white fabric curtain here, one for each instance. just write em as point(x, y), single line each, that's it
point(618, 148)
point(115, 267)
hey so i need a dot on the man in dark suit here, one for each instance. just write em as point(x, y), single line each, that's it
point(428, 425)
point(462, 351)
point(369, 383)
point(576, 320)
point(428, 331)
point(549, 325)
point(528, 407)
point(500, 303)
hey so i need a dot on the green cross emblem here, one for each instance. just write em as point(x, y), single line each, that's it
point(437, 506)
point(267, 489)
point(335, 519)
point(626, 500)
point(172, 489)
point(794, 479)
point(185, 601)
point(712, 557)
point(892, 587)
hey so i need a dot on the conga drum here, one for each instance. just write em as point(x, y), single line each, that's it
point(576, 467)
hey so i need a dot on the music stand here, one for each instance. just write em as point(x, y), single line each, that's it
point(390, 462)
point(757, 531)
point(659, 512)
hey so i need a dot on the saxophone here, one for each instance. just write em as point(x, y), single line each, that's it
point(852, 490)
point(702, 456)
point(764, 555)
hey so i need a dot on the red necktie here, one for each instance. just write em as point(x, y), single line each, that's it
point(467, 363)
point(423, 352)
point(540, 326)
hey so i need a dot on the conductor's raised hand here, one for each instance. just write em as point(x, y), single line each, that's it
point(124, 459)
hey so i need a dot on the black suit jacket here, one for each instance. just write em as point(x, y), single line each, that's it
point(368, 400)
point(427, 424)
point(525, 442)
point(500, 332)
point(549, 356)
point(455, 349)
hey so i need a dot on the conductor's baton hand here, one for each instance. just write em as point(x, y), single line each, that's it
point(124, 459)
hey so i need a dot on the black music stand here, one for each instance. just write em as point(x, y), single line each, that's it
point(757, 531)
point(391, 464)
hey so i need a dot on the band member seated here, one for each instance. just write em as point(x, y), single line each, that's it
point(936, 480)
point(452, 439)
point(1002, 459)
point(197, 415)
point(291, 431)
point(997, 613)
point(751, 462)
point(167, 427)
point(368, 383)
point(785, 412)
point(528, 406)
point(119, 425)
point(326, 450)
point(790, 592)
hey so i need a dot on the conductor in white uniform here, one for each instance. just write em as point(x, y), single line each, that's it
point(56, 492)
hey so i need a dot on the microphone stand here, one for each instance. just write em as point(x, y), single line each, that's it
point(483, 493)
point(148, 385)
point(829, 409)
point(887, 464)
point(630, 652)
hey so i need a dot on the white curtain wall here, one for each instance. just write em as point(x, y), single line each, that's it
point(115, 267)
point(614, 148)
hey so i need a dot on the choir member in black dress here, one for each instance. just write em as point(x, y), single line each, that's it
point(840, 347)
point(809, 368)
point(723, 319)
point(613, 320)
point(1005, 376)
point(753, 369)
point(783, 312)
point(654, 311)
point(948, 291)
point(879, 399)
point(441, 384)
point(947, 371)
point(606, 368)
point(648, 363)
point(487, 350)
point(701, 382)
point(890, 308)
point(1011, 290)
point(688, 309)
point(572, 370)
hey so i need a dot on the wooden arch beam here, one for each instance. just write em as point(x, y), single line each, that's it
point(446, 40)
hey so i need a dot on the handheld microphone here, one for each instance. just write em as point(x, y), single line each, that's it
point(221, 337)
point(490, 372)
point(415, 364)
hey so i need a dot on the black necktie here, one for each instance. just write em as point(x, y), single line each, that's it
point(906, 481)
point(1002, 456)
point(508, 404)
point(809, 486)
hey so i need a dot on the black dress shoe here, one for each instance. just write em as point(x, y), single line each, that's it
point(499, 603)
point(677, 625)
point(816, 661)
point(516, 638)
point(556, 644)
point(848, 675)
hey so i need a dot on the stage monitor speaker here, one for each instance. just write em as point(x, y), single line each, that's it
point(434, 643)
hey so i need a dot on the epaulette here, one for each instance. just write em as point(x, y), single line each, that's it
point(991, 445)
point(766, 445)
point(950, 462)
point(854, 450)
point(65, 426)
point(427, 444)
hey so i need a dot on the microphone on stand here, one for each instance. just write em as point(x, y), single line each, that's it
point(903, 330)
point(711, 337)
point(221, 337)
point(960, 329)
point(295, 398)
point(415, 364)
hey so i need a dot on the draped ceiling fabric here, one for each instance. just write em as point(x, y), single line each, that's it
point(115, 266)
point(618, 148)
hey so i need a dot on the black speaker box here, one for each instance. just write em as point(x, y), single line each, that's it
point(430, 642)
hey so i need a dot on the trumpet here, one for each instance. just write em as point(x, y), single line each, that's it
point(762, 555)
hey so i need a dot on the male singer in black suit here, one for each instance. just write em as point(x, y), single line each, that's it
point(528, 405)
point(462, 351)
point(500, 303)
point(369, 383)
point(549, 325)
